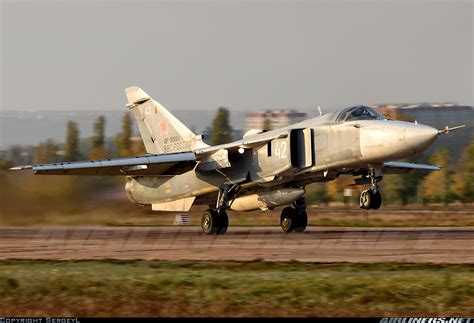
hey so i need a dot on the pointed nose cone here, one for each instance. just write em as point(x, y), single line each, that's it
point(419, 137)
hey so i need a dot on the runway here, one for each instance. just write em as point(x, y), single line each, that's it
point(317, 244)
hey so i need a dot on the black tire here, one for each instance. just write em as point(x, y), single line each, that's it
point(366, 198)
point(209, 222)
point(301, 221)
point(376, 200)
point(287, 219)
point(223, 221)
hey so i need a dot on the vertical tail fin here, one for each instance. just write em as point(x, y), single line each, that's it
point(161, 132)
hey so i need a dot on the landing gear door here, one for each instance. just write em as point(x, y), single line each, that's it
point(308, 139)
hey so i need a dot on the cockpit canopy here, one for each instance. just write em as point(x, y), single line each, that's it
point(359, 112)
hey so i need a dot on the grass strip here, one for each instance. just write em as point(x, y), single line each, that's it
point(230, 288)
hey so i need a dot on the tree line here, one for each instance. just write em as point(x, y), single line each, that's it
point(123, 146)
point(75, 148)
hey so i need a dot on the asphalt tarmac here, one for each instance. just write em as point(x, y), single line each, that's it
point(316, 244)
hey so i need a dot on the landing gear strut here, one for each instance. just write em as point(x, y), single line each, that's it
point(294, 219)
point(371, 198)
point(216, 221)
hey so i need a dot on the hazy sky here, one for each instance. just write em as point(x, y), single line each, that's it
point(241, 54)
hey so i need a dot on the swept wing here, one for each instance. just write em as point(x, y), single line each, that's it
point(246, 142)
point(163, 164)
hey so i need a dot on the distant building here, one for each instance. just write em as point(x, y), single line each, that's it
point(278, 119)
point(433, 114)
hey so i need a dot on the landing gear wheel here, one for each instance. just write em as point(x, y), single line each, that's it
point(223, 221)
point(293, 220)
point(301, 221)
point(287, 219)
point(214, 223)
point(376, 200)
point(370, 200)
point(217, 221)
point(366, 199)
point(209, 222)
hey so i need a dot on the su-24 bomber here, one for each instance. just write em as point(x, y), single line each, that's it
point(261, 171)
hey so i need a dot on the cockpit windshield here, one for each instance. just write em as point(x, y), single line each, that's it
point(359, 113)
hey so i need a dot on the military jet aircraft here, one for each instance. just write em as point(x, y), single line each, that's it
point(261, 171)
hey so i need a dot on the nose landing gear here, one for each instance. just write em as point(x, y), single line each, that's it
point(371, 198)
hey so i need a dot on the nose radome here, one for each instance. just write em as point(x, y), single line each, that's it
point(420, 137)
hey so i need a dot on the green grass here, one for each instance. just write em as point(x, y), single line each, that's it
point(193, 288)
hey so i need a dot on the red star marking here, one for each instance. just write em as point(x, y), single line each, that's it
point(163, 126)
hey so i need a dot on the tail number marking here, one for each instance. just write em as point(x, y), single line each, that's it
point(280, 150)
point(175, 143)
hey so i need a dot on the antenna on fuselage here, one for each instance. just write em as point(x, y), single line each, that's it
point(319, 109)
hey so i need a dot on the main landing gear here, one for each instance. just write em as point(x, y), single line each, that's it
point(216, 221)
point(294, 219)
point(371, 198)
